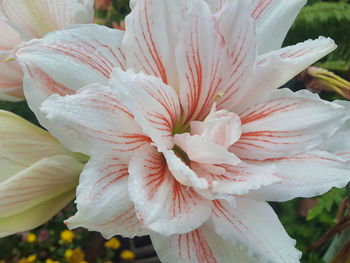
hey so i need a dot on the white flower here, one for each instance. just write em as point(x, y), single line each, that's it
point(188, 136)
point(24, 20)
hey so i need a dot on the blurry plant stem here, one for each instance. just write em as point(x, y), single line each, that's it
point(336, 247)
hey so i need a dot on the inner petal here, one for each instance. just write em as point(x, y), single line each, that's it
point(220, 127)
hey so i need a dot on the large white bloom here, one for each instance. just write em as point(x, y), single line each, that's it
point(188, 135)
point(21, 20)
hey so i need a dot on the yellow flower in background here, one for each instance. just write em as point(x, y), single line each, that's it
point(31, 238)
point(67, 236)
point(31, 258)
point(23, 260)
point(49, 260)
point(2, 261)
point(34, 165)
point(74, 256)
point(68, 253)
point(127, 255)
point(113, 243)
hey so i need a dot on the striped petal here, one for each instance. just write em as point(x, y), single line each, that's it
point(163, 204)
point(151, 37)
point(94, 121)
point(275, 68)
point(273, 19)
point(34, 216)
point(51, 65)
point(235, 179)
point(255, 226)
point(103, 201)
point(23, 144)
point(284, 123)
point(65, 61)
point(215, 58)
point(156, 107)
point(38, 183)
point(305, 175)
point(35, 18)
point(202, 245)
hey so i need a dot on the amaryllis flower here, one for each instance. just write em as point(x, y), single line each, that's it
point(187, 134)
point(23, 20)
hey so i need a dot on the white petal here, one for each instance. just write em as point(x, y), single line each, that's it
point(215, 57)
point(11, 77)
point(12, 38)
point(220, 127)
point(156, 107)
point(255, 226)
point(339, 143)
point(24, 143)
point(35, 216)
point(273, 20)
point(182, 173)
point(92, 121)
point(151, 37)
point(162, 204)
point(38, 17)
point(284, 123)
point(103, 201)
point(305, 175)
point(201, 150)
point(237, 179)
point(274, 69)
point(65, 61)
point(199, 246)
point(40, 182)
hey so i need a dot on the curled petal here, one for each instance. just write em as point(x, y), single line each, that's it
point(225, 179)
point(220, 127)
point(275, 68)
point(103, 201)
point(156, 107)
point(92, 121)
point(201, 150)
point(255, 226)
point(163, 204)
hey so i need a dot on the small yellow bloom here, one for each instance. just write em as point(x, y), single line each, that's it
point(75, 256)
point(67, 236)
point(49, 260)
point(31, 258)
point(23, 260)
point(68, 253)
point(127, 255)
point(31, 238)
point(113, 243)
